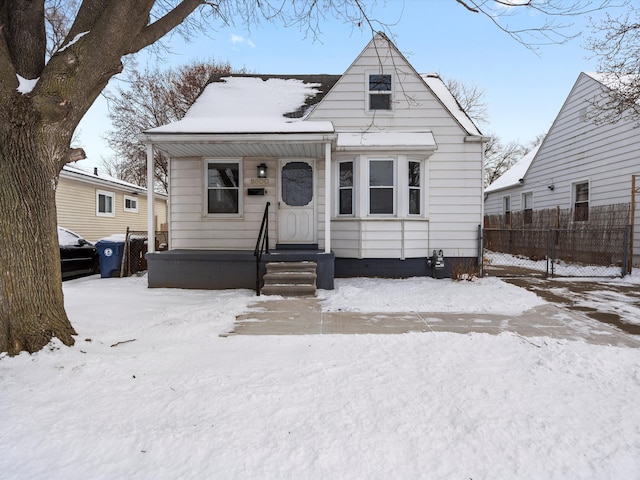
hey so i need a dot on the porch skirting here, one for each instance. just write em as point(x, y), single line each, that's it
point(219, 270)
point(396, 268)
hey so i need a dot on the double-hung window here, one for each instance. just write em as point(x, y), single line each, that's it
point(345, 187)
point(415, 185)
point(527, 207)
point(105, 204)
point(223, 181)
point(380, 92)
point(506, 210)
point(382, 187)
point(581, 201)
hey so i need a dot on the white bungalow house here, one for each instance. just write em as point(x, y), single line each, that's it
point(580, 164)
point(364, 174)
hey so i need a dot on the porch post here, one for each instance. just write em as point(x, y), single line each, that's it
point(327, 197)
point(151, 221)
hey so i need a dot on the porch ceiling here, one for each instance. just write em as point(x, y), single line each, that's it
point(243, 146)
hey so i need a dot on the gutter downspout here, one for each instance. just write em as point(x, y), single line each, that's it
point(151, 223)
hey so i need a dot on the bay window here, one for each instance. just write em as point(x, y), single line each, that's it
point(382, 187)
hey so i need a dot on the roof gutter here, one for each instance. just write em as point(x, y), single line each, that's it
point(270, 137)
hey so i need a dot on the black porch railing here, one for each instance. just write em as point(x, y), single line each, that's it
point(262, 244)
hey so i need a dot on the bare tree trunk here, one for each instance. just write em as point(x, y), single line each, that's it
point(31, 300)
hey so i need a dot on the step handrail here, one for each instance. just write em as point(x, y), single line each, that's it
point(262, 244)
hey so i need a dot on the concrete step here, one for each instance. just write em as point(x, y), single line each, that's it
point(289, 290)
point(291, 267)
point(290, 279)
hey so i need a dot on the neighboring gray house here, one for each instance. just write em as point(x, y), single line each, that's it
point(365, 173)
point(580, 163)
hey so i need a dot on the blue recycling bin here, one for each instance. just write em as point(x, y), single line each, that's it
point(110, 253)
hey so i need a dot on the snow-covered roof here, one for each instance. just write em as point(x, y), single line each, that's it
point(512, 176)
point(101, 178)
point(438, 87)
point(251, 104)
point(419, 139)
point(277, 104)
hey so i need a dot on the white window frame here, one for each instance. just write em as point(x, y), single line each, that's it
point(130, 198)
point(420, 188)
point(574, 198)
point(240, 188)
point(394, 186)
point(506, 209)
point(353, 187)
point(524, 206)
point(368, 92)
point(106, 194)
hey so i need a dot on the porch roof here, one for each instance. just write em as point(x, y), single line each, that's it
point(308, 145)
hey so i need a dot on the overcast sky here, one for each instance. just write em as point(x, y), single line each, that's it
point(524, 89)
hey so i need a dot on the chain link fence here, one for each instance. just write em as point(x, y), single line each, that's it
point(135, 249)
point(577, 252)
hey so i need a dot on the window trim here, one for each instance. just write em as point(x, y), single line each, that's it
point(239, 188)
point(110, 195)
point(369, 92)
point(506, 209)
point(130, 209)
point(353, 189)
point(574, 199)
point(394, 186)
point(420, 188)
point(527, 212)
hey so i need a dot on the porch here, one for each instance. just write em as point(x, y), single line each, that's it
point(226, 269)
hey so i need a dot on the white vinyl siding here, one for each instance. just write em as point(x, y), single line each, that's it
point(452, 176)
point(605, 153)
point(191, 228)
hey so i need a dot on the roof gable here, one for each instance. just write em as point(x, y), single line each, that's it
point(382, 55)
point(518, 170)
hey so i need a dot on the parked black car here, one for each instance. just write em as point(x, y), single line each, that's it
point(77, 255)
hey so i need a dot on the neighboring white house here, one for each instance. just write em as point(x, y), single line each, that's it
point(580, 164)
point(371, 170)
point(95, 205)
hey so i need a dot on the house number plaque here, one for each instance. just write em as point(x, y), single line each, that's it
point(259, 181)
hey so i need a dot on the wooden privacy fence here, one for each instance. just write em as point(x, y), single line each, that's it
point(556, 252)
point(555, 243)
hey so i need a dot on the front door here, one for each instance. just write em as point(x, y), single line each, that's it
point(296, 201)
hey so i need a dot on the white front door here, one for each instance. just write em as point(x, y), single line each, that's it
point(296, 201)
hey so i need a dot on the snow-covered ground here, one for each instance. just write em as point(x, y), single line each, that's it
point(151, 391)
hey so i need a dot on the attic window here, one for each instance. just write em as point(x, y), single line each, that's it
point(380, 88)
